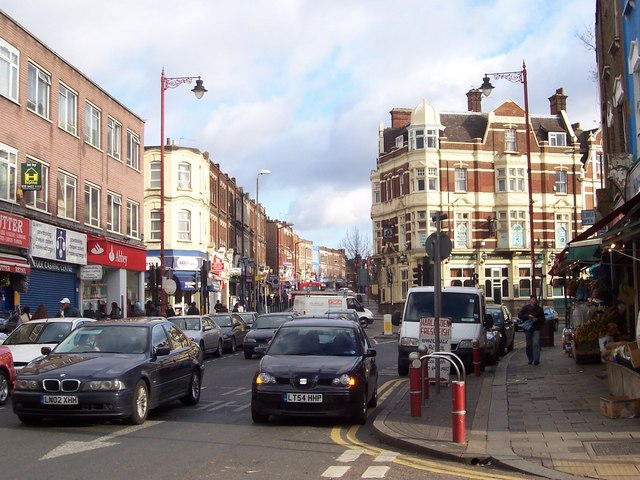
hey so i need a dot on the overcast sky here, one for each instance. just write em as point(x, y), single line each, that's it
point(299, 87)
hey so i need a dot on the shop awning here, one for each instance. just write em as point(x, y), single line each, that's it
point(585, 250)
point(14, 264)
point(185, 280)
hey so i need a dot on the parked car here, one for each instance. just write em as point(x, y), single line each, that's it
point(113, 369)
point(316, 367)
point(203, 331)
point(248, 317)
point(492, 351)
point(26, 341)
point(503, 321)
point(348, 315)
point(262, 331)
point(233, 330)
point(7, 374)
point(551, 315)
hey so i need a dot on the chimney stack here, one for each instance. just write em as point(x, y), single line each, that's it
point(474, 100)
point(558, 101)
point(400, 117)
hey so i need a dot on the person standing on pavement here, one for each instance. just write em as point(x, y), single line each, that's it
point(193, 309)
point(535, 313)
point(67, 310)
point(25, 316)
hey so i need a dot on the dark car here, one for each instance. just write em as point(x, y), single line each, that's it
point(248, 317)
point(348, 315)
point(116, 370)
point(7, 374)
point(503, 322)
point(262, 331)
point(551, 315)
point(233, 330)
point(316, 367)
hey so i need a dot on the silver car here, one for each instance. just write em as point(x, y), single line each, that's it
point(201, 330)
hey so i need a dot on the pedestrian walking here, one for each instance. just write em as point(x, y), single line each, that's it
point(41, 312)
point(193, 309)
point(116, 311)
point(25, 316)
point(534, 312)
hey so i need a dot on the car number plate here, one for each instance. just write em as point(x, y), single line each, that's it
point(59, 400)
point(303, 397)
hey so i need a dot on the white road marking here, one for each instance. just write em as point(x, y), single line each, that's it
point(386, 457)
point(242, 407)
point(233, 391)
point(204, 406)
point(69, 448)
point(375, 472)
point(225, 404)
point(349, 456)
point(335, 472)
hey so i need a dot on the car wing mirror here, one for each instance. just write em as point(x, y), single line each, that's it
point(370, 352)
point(207, 328)
point(259, 350)
point(45, 350)
point(161, 351)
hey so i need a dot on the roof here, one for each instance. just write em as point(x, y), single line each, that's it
point(318, 322)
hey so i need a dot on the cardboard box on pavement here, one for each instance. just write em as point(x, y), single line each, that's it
point(621, 406)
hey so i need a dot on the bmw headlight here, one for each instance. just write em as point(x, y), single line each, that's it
point(346, 380)
point(26, 385)
point(103, 385)
point(409, 341)
point(265, 378)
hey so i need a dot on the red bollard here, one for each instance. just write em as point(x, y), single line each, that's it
point(476, 358)
point(425, 383)
point(415, 391)
point(458, 413)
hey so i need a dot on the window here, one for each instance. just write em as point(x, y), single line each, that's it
point(561, 182)
point(432, 138)
point(184, 175)
point(461, 179)
point(38, 89)
point(154, 233)
point(184, 225)
point(562, 229)
point(511, 229)
point(419, 178)
point(462, 232)
point(67, 109)
point(510, 144)
point(421, 138)
point(114, 209)
point(9, 62)
point(399, 141)
point(8, 172)
point(401, 184)
point(91, 205)
point(388, 190)
point(92, 125)
point(510, 180)
point(376, 192)
point(39, 199)
point(133, 150)
point(133, 219)
point(417, 139)
point(432, 181)
point(66, 195)
point(154, 175)
point(557, 139)
point(114, 134)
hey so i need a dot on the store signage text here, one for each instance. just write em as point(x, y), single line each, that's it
point(53, 266)
point(187, 263)
point(14, 230)
point(55, 243)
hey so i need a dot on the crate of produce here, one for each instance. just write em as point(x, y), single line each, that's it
point(621, 406)
point(586, 352)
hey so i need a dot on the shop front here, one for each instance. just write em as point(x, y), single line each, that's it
point(119, 279)
point(14, 268)
point(56, 256)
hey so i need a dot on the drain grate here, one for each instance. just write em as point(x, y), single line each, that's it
point(604, 449)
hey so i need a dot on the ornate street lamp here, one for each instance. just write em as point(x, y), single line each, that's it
point(486, 88)
point(199, 91)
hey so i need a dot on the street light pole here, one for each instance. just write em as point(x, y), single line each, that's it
point(199, 91)
point(486, 88)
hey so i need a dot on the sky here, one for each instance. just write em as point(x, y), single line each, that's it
point(300, 87)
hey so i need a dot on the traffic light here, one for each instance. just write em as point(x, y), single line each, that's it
point(417, 275)
point(427, 272)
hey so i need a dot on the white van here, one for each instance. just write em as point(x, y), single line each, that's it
point(310, 304)
point(463, 305)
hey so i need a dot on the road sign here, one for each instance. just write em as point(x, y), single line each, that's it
point(445, 245)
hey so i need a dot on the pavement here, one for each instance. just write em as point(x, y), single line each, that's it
point(541, 420)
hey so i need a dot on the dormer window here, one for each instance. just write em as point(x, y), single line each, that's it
point(557, 139)
point(399, 141)
point(423, 138)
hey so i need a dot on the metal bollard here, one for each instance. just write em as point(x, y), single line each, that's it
point(459, 412)
point(476, 358)
point(415, 384)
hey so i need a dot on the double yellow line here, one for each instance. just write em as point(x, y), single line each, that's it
point(347, 437)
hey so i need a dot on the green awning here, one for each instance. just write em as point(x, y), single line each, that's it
point(585, 250)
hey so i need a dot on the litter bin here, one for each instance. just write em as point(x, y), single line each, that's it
point(546, 334)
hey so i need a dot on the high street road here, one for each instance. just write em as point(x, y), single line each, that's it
point(217, 439)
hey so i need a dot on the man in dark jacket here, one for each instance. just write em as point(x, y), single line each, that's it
point(67, 310)
point(193, 309)
point(534, 312)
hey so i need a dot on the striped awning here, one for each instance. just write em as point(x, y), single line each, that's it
point(14, 264)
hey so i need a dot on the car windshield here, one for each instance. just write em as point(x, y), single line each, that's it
point(106, 339)
point(458, 306)
point(270, 322)
point(247, 317)
point(326, 341)
point(223, 320)
point(496, 313)
point(186, 323)
point(29, 332)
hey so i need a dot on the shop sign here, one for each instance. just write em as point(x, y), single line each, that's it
point(31, 176)
point(102, 251)
point(186, 263)
point(53, 266)
point(428, 339)
point(91, 272)
point(55, 243)
point(217, 266)
point(14, 230)
point(153, 261)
